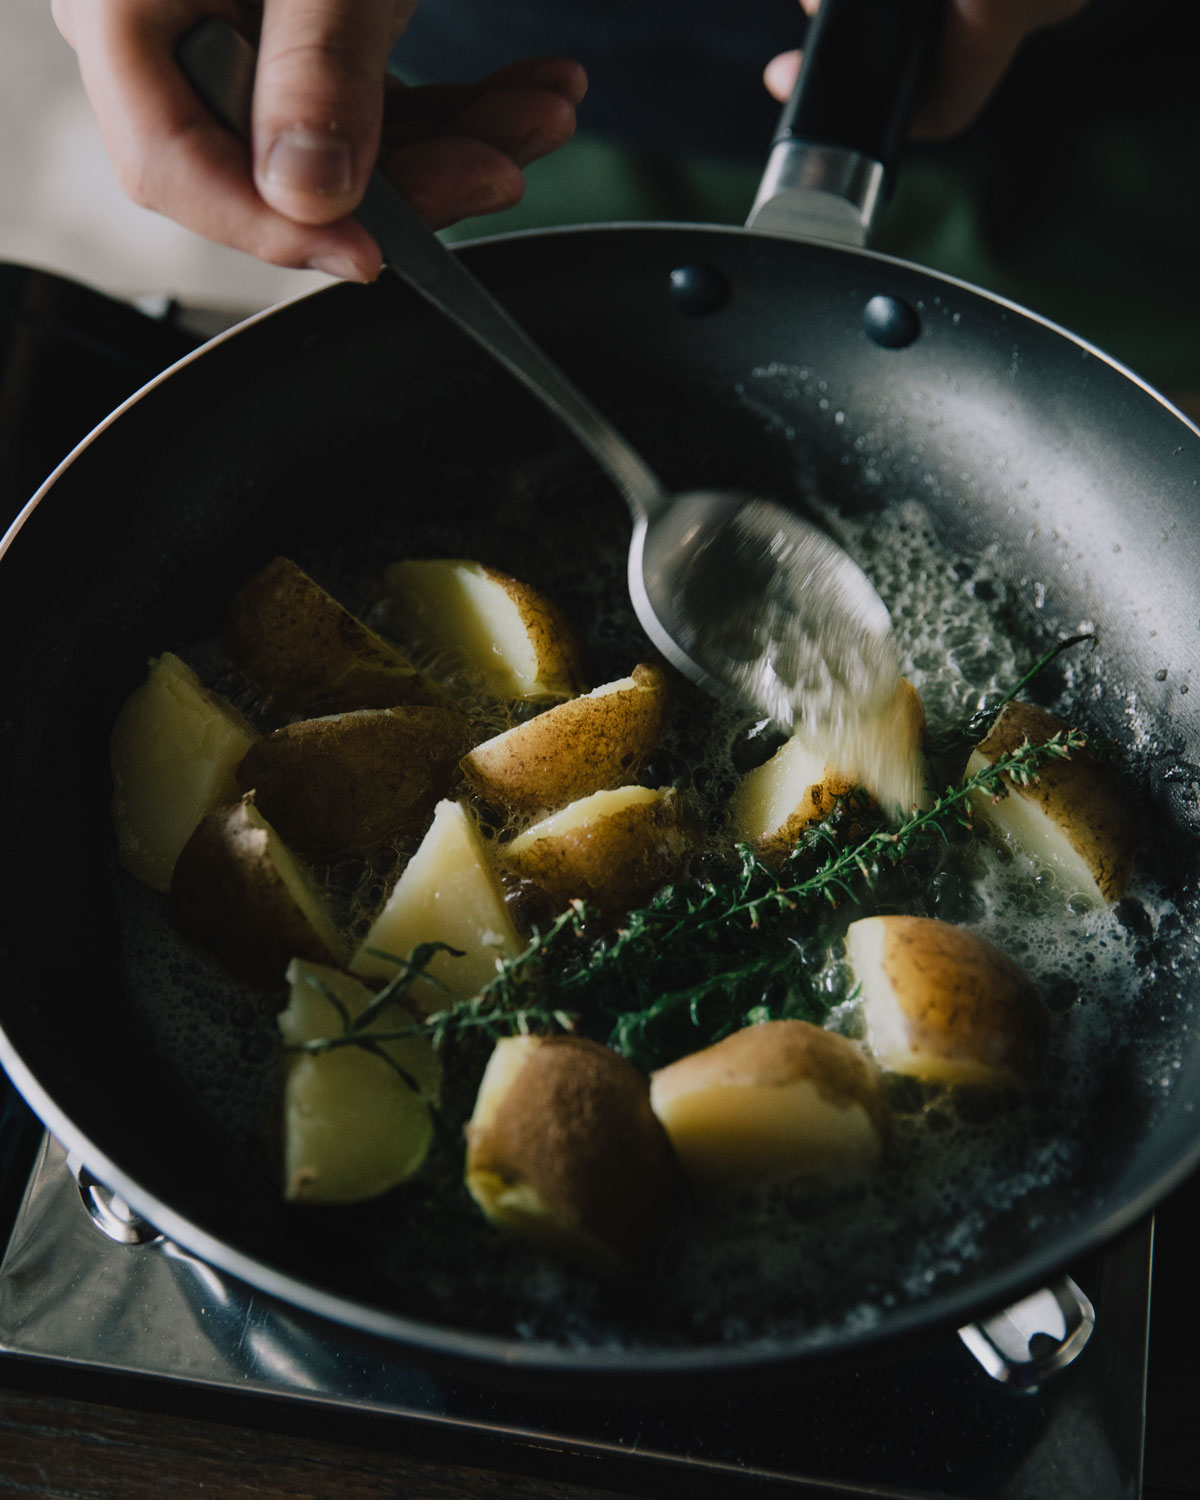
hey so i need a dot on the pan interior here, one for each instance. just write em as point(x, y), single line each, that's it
point(1002, 486)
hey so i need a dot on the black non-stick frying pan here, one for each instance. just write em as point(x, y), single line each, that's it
point(353, 425)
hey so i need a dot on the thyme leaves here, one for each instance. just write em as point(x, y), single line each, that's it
point(677, 973)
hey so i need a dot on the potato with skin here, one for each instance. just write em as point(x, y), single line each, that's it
point(174, 750)
point(341, 785)
point(356, 1123)
point(240, 892)
point(782, 1100)
point(611, 849)
point(943, 1004)
point(588, 744)
point(514, 638)
point(803, 780)
point(447, 893)
point(296, 641)
point(1074, 817)
point(564, 1150)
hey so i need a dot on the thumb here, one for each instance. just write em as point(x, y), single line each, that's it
point(318, 102)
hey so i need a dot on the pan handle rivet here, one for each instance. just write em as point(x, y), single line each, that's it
point(890, 322)
point(697, 290)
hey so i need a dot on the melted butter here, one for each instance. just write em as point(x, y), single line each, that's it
point(966, 1175)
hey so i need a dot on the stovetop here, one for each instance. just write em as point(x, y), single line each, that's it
point(931, 1424)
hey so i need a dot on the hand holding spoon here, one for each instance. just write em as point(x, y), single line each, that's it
point(737, 592)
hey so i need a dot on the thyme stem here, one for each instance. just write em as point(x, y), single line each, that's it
point(617, 971)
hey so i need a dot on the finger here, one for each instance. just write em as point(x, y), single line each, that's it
point(454, 177)
point(524, 123)
point(416, 112)
point(318, 102)
point(977, 45)
point(169, 152)
point(472, 165)
point(781, 73)
point(561, 75)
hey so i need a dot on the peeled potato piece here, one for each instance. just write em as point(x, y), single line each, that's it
point(802, 781)
point(175, 747)
point(1074, 817)
point(611, 849)
point(447, 893)
point(585, 745)
point(339, 785)
point(564, 1150)
point(784, 1099)
point(516, 639)
point(943, 1004)
point(239, 891)
point(354, 1126)
point(297, 641)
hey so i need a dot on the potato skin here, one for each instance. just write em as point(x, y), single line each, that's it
point(817, 800)
point(294, 639)
point(585, 745)
point(575, 1127)
point(466, 607)
point(340, 785)
point(1080, 796)
point(613, 859)
point(882, 755)
point(774, 1054)
point(234, 894)
point(970, 1012)
point(780, 1101)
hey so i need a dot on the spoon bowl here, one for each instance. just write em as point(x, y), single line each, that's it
point(755, 604)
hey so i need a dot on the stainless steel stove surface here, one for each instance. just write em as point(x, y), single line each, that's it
point(931, 1425)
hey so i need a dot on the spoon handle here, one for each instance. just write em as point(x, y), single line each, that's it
point(219, 63)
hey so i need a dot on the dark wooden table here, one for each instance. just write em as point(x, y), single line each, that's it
point(58, 1442)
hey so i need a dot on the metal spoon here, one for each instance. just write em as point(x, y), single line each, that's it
point(737, 592)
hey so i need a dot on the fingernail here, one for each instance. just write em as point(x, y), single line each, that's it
point(307, 162)
point(341, 266)
point(487, 198)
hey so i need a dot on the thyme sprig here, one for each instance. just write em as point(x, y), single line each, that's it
point(627, 980)
point(982, 720)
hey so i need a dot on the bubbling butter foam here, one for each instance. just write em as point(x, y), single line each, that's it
point(969, 1177)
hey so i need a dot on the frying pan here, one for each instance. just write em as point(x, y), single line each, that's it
point(349, 425)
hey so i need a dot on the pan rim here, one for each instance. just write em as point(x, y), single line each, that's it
point(571, 231)
point(954, 1308)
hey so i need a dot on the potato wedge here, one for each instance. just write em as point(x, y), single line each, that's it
point(240, 892)
point(943, 1004)
point(173, 752)
point(296, 641)
point(802, 781)
point(515, 639)
point(342, 784)
point(356, 1123)
point(564, 1150)
point(611, 849)
point(447, 893)
point(784, 1099)
point(588, 744)
point(1075, 817)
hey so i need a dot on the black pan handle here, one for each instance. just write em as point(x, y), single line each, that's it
point(838, 141)
point(864, 63)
